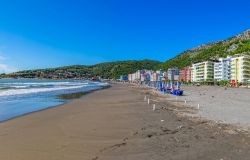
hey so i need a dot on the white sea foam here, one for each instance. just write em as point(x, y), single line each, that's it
point(102, 84)
point(36, 83)
point(19, 88)
point(44, 83)
point(12, 92)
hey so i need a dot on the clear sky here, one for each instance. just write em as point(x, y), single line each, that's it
point(50, 33)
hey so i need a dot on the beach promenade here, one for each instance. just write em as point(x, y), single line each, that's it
point(118, 124)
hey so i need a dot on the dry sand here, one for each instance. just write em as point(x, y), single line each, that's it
point(117, 124)
point(229, 105)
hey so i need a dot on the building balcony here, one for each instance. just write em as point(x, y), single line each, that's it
point(246, 59)
point(245, 67)
point(246, 76)
point(199, 73)
point(246, 63)
point(209, 72)
point(246, 71)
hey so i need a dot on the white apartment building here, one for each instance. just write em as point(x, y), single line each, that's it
point(138, 75)
point(173, 74)
point(130, 77)
point(203, 71)
point(240, 68)
point(133, 77)
point(222, 69)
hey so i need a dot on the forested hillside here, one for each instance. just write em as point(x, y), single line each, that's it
point(115, 69)
point(104, 70)
point(239, 44)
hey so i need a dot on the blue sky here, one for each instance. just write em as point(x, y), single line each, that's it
point(50, 33)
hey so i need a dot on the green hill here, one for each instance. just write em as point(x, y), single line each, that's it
point(104, 70)
point(115, 69)
point(239, 44)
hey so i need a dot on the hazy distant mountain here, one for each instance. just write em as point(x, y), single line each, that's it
point(239, 44)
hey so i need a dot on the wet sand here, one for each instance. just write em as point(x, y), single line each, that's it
point(117, 124)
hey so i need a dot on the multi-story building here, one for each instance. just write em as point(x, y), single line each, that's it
point(138, 74)
point(173, 74)
point(146, 75)
point(222, 69)
point(155, 77)
point(133, 77)
point(130, 77)
point(123, 77)
point(240, 68)
point(141, 75)
point(203, 72)
point(160, 74)
point(164, 76)
point(185, 74)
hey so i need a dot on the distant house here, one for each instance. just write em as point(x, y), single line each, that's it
point(155, 77)
point(135, 76)
point(123, 77)
point(185, 74)
point(165, 76)
point(173, 74)
point(145, 76)
point(130, 77)
point(159, 75)
point(138, 75)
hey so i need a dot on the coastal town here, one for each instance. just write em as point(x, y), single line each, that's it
point(233, 70)
point(125, 80)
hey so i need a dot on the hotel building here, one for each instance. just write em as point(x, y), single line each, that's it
point(240, 68)
point(203, 72)
point(222, 69)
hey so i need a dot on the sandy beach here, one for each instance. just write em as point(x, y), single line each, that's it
point(227, 105)
point(117, 124)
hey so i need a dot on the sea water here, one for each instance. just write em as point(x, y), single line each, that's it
point(19, 97)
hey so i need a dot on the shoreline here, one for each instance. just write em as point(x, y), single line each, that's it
point(64, 103)
point(115, 124)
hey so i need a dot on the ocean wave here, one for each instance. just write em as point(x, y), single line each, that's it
point(43, 83)
point(13, 92)
point(6, 87)
point(19, 88)
point(102, 84)
point(19, 85)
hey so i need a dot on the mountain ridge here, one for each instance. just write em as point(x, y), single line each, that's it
point(104, 70)
point(238, 44)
